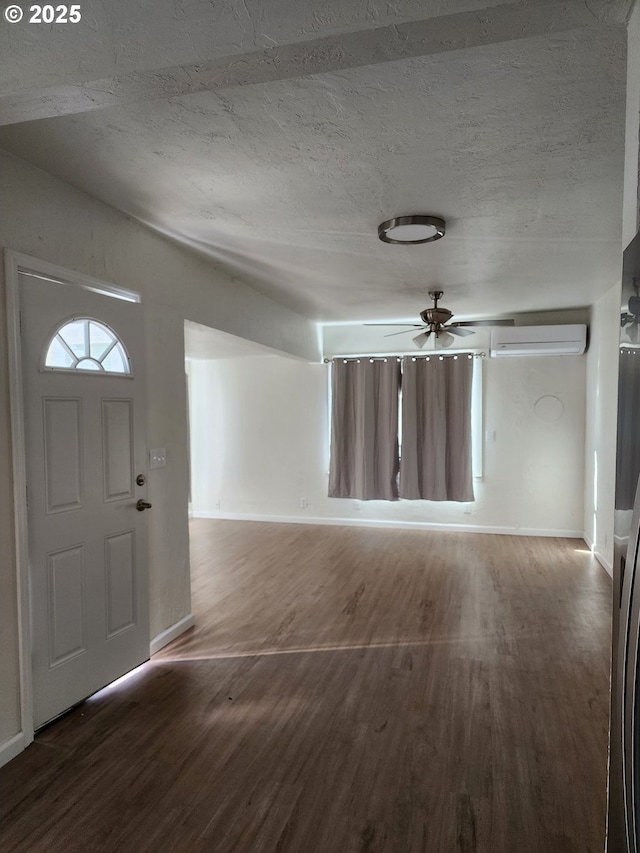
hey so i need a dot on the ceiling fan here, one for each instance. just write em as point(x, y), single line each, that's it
point(435, 321)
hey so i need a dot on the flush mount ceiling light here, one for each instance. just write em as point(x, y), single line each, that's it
point(412, 229)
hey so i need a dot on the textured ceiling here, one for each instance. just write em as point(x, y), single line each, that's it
point(508, 121)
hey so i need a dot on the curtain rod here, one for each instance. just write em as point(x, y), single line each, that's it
point(470, 354)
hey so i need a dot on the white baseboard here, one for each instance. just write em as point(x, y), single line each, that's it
point(12, 747)
point(606, 565)
point(169, 634)
point(400, 525)
point(543, 531)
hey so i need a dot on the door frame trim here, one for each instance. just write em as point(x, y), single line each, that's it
point(14, 264)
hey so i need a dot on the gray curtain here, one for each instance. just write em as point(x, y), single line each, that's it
point(436, 429)
point(364, 429)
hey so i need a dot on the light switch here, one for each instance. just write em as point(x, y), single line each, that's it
point(157, 457)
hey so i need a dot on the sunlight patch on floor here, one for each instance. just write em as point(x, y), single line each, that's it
point(394, 644)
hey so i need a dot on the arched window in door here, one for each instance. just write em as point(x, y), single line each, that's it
point(86, 345)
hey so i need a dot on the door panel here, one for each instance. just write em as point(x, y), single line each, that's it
point(117, 443)
point(62, 453)
point(85, 443)
point(120, 561)
point(65, 579)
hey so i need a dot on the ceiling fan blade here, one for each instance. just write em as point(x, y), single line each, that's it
point(460, 331)
point(509, 322)
point(421, 339)
point(403, 332)
point(414, 325)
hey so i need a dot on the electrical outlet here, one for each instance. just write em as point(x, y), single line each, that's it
point(467, 509)
point(356, 506)
point(218, 503)
point(303, 503)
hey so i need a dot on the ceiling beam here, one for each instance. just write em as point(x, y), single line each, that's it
point(329, 54)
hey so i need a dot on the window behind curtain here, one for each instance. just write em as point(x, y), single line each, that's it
point(435, 417)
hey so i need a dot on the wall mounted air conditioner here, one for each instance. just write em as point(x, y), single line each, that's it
point(538, 340)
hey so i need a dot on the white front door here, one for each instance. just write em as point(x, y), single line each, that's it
point(85, 447)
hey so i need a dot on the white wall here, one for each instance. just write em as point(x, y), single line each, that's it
point(600, 440)
point(258, 428)
point(260, 444)
point(46, 218)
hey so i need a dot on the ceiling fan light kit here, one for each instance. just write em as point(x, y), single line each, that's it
point(412, 230)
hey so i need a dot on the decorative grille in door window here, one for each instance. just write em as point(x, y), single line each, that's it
point(83, 344)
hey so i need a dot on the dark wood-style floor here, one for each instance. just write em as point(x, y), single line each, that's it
point(345, 691)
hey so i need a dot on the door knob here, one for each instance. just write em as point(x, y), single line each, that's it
point(142, 505)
